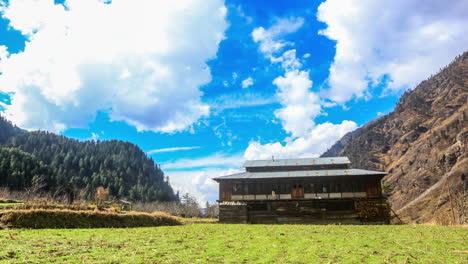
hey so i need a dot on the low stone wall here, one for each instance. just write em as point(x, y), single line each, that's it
point(233, 213)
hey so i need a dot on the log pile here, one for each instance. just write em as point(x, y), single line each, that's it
point(371, 209)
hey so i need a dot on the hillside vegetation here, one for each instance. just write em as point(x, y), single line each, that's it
point(8, 130)
point(423, 145)
point(72, 168)
point(19, 169)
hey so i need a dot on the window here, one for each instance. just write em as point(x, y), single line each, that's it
point(237, 189)
point(322, 187)
point(309, 188)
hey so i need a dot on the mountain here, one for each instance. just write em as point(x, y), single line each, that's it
point(20, 170)
point(423, 146)
point(8, 130)
point(65, 166)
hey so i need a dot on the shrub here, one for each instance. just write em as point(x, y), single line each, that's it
point(40, 218)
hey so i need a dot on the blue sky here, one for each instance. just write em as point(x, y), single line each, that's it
point(202, 85)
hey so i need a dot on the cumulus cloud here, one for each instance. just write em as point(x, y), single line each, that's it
point(300, 105)
point(247, 82)
point(404, 41)
point(317, 141)
point(195, 175)
point(270, 40)
point(199, 183)
point(288, 60)
point(142, 63)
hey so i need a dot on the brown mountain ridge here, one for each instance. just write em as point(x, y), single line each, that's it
point(423, 146)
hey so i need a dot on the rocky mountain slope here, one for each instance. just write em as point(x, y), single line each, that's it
point(423, 145)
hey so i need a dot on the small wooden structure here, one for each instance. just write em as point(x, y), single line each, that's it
point(314, 190)
point(125, 205)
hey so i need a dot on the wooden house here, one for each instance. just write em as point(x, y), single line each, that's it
point(313, 190)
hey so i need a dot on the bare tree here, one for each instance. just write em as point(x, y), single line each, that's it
point(101, 196)
point(460, 201)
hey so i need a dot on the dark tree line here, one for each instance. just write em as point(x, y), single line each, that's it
point(66, 165)
point(20, 170)
point(8, 130)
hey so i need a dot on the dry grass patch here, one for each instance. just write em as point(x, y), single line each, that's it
point(197, 220)
point(43, 218)
point(50, 205)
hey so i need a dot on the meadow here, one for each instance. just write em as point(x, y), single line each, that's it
point(225, 243)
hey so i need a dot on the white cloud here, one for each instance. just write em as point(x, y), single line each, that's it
point(288, 60)
point(3, 52)
point(238, 100)
point(199, 183)
point(170, 149)
point(215, 160)
point(195, 175)
point(141, 62)
point(247, 82)
point(319, 139)
point(406, 40)
point(270, 39)
point(300, 105)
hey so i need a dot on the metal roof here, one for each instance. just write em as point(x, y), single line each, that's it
point(299, 174)
point(297, 162)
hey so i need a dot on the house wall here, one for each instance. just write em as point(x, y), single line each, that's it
point(313, 188)
point(326, 211)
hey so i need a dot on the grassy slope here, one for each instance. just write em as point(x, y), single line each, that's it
point(214, 243)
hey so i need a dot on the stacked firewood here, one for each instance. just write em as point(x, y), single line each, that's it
point(372, 208)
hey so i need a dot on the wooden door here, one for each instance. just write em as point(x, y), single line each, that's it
point(373, 189)
point(297, 191)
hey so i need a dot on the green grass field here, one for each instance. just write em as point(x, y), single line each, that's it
point(217, 243)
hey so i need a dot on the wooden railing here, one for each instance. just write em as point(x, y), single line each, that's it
point(251, 197)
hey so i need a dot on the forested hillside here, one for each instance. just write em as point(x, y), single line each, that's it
point(64, 166)
point(8, 130)
point(19, 170)
point(423, 145)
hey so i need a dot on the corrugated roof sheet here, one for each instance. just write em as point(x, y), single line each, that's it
point(299, 174)
point(297, 162)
